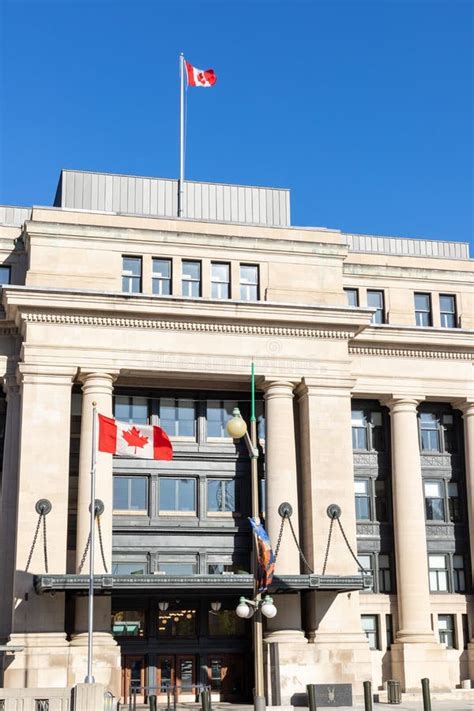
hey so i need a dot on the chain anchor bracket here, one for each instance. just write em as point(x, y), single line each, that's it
point(285, 510)
point(43, 507)
point(334, 511)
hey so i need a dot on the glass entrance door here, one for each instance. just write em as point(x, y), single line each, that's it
point(176, 670)
point(133, 677)
point(226, 677)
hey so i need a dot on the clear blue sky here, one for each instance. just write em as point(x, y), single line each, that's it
point(364, 108)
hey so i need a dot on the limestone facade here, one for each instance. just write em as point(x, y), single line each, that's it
point(71, 336)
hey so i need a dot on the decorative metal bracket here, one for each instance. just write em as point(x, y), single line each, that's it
point(99, 507)
point(43, 506)
point(285, 510)
point(334, 511)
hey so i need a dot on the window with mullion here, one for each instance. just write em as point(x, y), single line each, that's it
point(423, 309)
point(161, 277)
point(366, 560)
point(220, 280)
point(429, 432)
point(191, 279)
point(131, 408)
point(438, 573)
point(177, 495)
point(131, 275)
point(371, 629)
point(446, 630)
point(447, 309)
point(363, 500)
point(385, 573)
point(219, 413)
point(459, 576)
point(435, 509)
point(352, 296)
point(375, 300)
point(178, 417)
point(368, 432)
point(5, 275)
point(248, 282)
point(221, 495)
point(130, 493)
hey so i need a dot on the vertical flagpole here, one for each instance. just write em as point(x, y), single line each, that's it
point(90, 616)
point(181, 138)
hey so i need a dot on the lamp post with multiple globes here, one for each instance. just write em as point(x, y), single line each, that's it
point(256, 607)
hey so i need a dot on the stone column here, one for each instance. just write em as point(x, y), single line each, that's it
point(415, 653)
point(332, 619)
point(43, 473)
point(96, 387)
point(8, 509)
point(282, 485)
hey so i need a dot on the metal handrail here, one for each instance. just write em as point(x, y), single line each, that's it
point(171, 690)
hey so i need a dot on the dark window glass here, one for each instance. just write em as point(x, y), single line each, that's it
point(161, 278)
point(389, 628)
point(465, 631)
point(131, 409)
point(434, 500)
point(221, 495)
point(362, 499)
point(240, 568)
point(128, 623)
point(225, 623)
point(430, 440)
point(175, 568)
point(446, 630)
point(385, 573)
point(177, 495)
point(128, 568)
point(454, 503)
point(248, 282)
point(130, 493)
point(178, 417)
point(459, 576)
point(375, 301)
point(423, 310)
point(5, 275)
point(191, 279)
point(370, 627)
point(377, 431)
point(177, 621)
point(381, 500)
point(447, 308)
point(216, 674)
point(131, 275)
point(447, 428)
point(220, 280)
point(352, 296)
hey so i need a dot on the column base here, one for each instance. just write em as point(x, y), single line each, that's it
point(89, 697)
point(411, 662)
point(106, 662)
point(43, 662)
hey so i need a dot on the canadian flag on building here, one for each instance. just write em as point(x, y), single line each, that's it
point(130, 440)
point(199, 77)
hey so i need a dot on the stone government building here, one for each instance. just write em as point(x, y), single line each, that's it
point(363, 349)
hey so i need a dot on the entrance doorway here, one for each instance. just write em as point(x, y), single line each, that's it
point(133, 676)
point(226, 677)
point(177, 670)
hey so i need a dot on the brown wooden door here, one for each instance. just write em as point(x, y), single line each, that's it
point(165, 674)
point(226, 677)
point(133, 676)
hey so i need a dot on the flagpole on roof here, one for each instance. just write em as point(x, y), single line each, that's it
point(90, 614)
point(181, 137)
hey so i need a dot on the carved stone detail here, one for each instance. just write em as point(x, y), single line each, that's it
point(436, 460)
point(409, 353)
point(368, 529)
point(365, 460)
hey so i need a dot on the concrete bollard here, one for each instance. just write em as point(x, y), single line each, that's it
point(368, 696)
point(152, 702)
point(311, 689)
point(425, 688)
point(205, 700)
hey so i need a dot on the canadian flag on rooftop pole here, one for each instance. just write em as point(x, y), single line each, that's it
point(199, 77)
point(127, 439)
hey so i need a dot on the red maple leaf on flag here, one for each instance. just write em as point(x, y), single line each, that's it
point(134, 438)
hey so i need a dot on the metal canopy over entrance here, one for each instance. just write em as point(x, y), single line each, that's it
point(121, 583)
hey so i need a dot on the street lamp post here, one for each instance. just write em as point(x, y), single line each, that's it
point(237, 428)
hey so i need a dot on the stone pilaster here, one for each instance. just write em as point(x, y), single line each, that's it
point(43, 472)
point(415, 652)
point(8, 510)
point(333, 623)
point(97, 387)
point(282, 485)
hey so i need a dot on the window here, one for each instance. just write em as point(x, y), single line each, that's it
point(465, 630)
point(248, 282)
point(352, 296)
point(454, 503)
point(447, 432)
point(423, 310)
point(161, 277)
point(367, 430)
point(222, 568)
point(175, 568)
point(128, 623)
point(381, 501)
point(219, 413)
point(225, 623)
point(131, 409)
point(434, 500)
point(130, 493)
point(447, 309)
point(177, 495)
point(385, 573)
point(128, 568)
point(177, 621)
point(459, 577)
point(191, 280)
point(370, 627)
point(389, 630)
point(367, 562)
point(430, 439)
point(359, 430)
point(5, 275)
point(178, 417)
point(131, 275)
point(438, 573)
point(362, 499)
point(375, 300)
point(446, 630)
point(221, 495)
point(220, 280)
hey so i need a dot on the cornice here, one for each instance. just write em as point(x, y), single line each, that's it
point(410, 352)
point(194, 326)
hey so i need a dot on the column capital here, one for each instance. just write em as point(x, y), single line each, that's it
point(466, 405)
point(401, 403)
point(96, 381)
point(328, 386)
point(277, 387)
point(52, 374)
